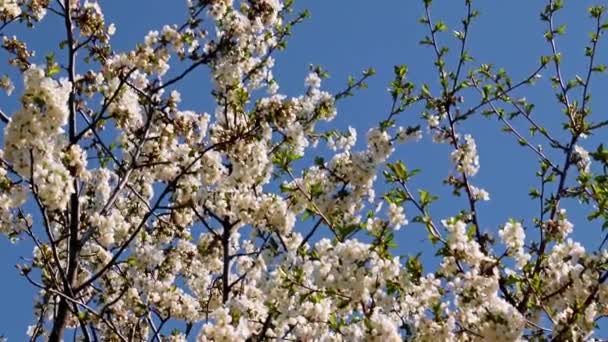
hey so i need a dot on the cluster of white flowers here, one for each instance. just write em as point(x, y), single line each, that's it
point(375, 225)
point(34, 140)
point(125, 108)
point(566, 270)
point(581, 157)
point(313, 80)
point(513, 236)
point(481, 309)
point(349, 273)
point(10, 8)
point(223, 330)
point(396, 216)
point(150, 58)
point(404, 135)
point(465, 157)
point(181, 43)
point(111, 228)
point(192, 126)
point(561, 227)
point(11, 197)
point(75, 158)
point(383, 329)
point(379, 142)
point(433, 121)
point(95, 18)
point(479, 194)
point(339, 187)
point(461, 244)
point(344, 141)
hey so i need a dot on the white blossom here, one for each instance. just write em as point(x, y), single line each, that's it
point(581, 157)
point(466, 158)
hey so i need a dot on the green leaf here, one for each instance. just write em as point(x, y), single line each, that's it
point(347, 231)
point(426, 198)
point(425, 90)
point(534, 193)
point(414, 267)
point(399, 171)
point(596, 11)
point(440, 26)
point(53, 70)
point(599, 68)
point(316, 190)
point(400, 71)
point(544, 60)
point(471, 231)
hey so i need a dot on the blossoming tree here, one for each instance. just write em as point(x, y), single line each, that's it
point(153, 222)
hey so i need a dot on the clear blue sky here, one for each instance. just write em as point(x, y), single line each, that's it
point(346, 37)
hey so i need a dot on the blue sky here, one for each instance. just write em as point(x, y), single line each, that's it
point(346, 37)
